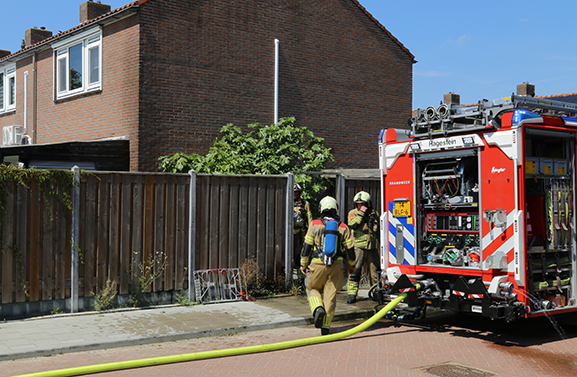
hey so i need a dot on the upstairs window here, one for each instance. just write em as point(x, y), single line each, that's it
point(7, 88)
point(78, 64)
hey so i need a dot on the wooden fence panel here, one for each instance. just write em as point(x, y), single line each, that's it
point(47, 252)
point(62, 220)
point(243, 237)
point(89, 194)
point(8, 247)
point(240, 218)
point(82, 217)
point(103, 232)
point(114, 229)
point(148, 220)
point(279, 228)
point(138, 228)
point(202, 216)
point(21, 243)
point(261, 224)
point(169, 229)
point(181, 232)
point(233, 226)
point(269, 230)
point(35, 241)
point(159, 229)
point(126, 226)
point(252, 215)
point(224, 253)
point(213, 224)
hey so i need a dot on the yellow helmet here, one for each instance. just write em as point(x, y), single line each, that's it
point(362, 197)
point(327, 203)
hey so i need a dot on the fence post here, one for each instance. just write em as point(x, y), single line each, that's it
point(74, 235)
point(340, 196)
point(192, 236)
point(289, 229)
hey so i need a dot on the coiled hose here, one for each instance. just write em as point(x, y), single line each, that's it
point(161, 360)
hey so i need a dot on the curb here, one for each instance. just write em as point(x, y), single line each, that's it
point(297, 321)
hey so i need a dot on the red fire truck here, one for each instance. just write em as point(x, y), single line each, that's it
point(478, 203)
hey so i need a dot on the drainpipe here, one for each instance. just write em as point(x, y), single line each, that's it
point(25, 113)
point(34, 99)
point(276, 54)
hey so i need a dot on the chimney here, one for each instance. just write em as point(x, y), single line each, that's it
point(4, 53)
point(526, 89)
point(90, 10)
point(451, 99)
point(35, 35)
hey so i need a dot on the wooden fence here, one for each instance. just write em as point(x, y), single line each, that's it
point(126, 220)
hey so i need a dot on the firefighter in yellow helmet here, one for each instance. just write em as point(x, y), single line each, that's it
point(364, 222)
point(302, 218)
point(328, 244)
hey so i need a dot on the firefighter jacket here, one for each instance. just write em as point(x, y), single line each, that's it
point(315, 238)
point(365, 227)
point(302, 215)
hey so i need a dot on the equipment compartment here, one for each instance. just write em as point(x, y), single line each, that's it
point(549, 221)
point(448, 238)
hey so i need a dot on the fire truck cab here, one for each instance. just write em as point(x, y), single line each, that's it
point(479, 203)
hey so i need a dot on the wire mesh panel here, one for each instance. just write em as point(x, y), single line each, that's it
point(218, 285)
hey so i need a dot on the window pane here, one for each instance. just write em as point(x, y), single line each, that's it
point(62, 75)
point(94, 56)
point(12, 88)
point(1, 90)
point(75, 56)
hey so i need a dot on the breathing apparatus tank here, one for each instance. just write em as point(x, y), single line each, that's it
point(331, 234)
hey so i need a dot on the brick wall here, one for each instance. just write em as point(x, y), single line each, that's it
point(111, 112)
point(201, 65)
point(206, 64)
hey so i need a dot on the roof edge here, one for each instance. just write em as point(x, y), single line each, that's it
point(109, 15)
point(365, 11)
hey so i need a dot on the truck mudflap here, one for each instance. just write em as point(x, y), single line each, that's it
point(461, 297)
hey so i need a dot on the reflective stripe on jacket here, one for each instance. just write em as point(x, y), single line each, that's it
point(364, 231)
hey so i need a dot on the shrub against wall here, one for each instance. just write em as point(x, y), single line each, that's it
point(274, 149)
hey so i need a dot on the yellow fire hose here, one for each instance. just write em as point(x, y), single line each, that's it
point(108, 367)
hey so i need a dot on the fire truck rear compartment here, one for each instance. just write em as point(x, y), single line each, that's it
point(549, 168)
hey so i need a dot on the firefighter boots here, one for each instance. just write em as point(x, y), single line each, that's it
point(320, 314)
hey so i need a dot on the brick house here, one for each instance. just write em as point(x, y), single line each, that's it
point(164, 76)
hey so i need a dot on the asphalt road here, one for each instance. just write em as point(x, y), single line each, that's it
point(455, 345)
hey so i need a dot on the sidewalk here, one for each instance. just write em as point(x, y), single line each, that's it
point(66, 333)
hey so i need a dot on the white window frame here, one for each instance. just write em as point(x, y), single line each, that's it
point(88, 40)
point(8, 99)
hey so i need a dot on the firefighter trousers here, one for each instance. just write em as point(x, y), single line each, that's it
point(370, 258)
point(323, 283)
